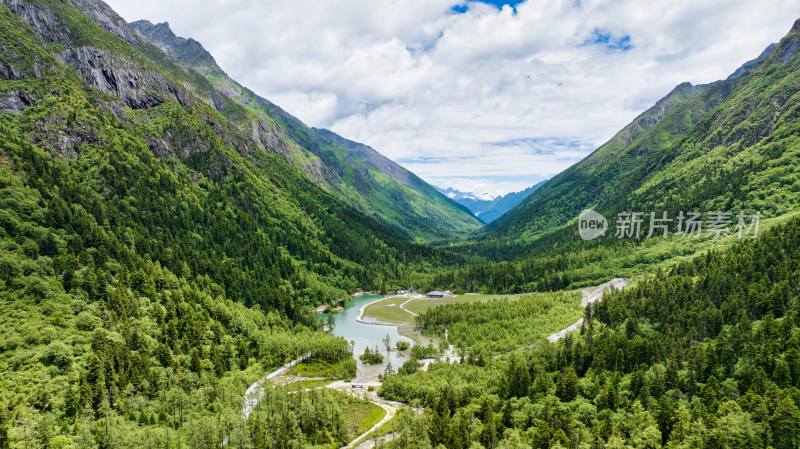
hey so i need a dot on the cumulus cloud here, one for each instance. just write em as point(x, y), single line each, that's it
point(504, 96)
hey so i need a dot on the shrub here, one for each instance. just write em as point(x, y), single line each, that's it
point(57, 354)
point(410, 366)
point(86, 321)
point(371, 356)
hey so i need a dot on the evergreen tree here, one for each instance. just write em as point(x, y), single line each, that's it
point(785, 424)
point(4, 418)
point(567, 386)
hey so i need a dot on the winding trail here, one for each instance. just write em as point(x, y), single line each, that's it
point(255, 392)
point(390, 411)
point(403, 306)
point(590, 296)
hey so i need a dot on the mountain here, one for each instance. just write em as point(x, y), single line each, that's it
point(488, 210)
point(157, 251)
point(350, 171)
point(680, 123)
point(731, 145)
point(705, 354)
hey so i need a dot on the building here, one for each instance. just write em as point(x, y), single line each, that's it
point(437, 294)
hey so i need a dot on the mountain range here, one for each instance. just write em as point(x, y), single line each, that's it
point(488, 210)
point(167, 233)
point(727, 146)
point(694, 147)
point(352, 172)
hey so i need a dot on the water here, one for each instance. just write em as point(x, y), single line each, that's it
point(363, 335)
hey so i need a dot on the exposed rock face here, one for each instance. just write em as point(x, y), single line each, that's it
point(62, 138)
point(41, 19)
point(789, 48)
point(130, 81)
point(13, 102)
point(9, 72)
point(187, 50)
point(103, 15)
point(753, 62)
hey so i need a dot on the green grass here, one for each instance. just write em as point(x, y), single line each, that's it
point(421, 305)
point(361, 416)
point(388, 311)
point(385, 429)
point(319, 369)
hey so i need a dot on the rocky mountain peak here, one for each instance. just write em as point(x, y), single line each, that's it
point(753, 62)
point(187, 50)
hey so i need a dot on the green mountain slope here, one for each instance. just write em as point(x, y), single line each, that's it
point(730, 146)
point(596, 177)
point(616, 169)
point(353, 172)
point(704, 355)
point(155, 258)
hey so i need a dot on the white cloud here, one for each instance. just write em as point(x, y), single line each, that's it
point(485, 189)
point(415, 80)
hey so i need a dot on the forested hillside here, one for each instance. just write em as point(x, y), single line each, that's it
point(165, 234)
point(729, 146)
point(350, 171)
point(154, 259)
point(705, 355)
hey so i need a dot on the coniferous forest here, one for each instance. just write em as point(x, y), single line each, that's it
point(167, 238)
point(706, 354)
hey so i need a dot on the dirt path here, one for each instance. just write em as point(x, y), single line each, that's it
point(390, 411)
point(255, 392)
point(590, 296)
point(403, 306)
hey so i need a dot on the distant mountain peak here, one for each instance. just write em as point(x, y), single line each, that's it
point(753, 62)
point(187, 50)
point(351, 171)
point(488, 207)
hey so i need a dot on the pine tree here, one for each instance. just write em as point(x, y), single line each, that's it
point(4, 418)
point(489, 434)
point(567, 387)
point(785, 424)
point(560, 438)
point(782, 376)
point(542, 435)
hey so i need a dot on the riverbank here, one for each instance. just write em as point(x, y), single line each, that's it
point(360, 317)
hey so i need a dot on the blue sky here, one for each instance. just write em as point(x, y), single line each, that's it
point(462, 8)
point(610, 41)
point(486, 97)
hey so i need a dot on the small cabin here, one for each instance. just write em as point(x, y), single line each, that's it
point(436, 294)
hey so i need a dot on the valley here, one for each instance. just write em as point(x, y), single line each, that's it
point(183, 263)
